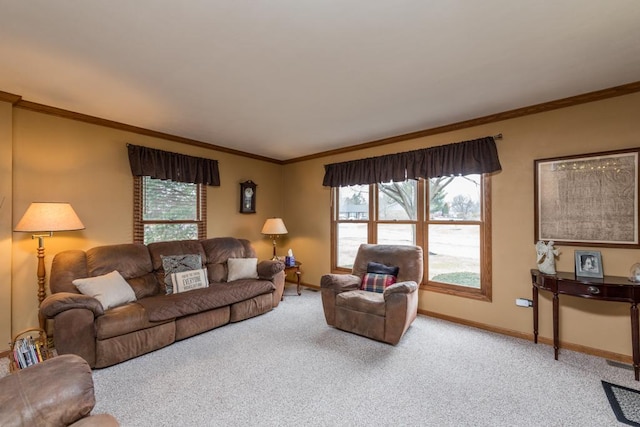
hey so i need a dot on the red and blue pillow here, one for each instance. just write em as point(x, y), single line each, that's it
point(374, 282)
point(378, 277)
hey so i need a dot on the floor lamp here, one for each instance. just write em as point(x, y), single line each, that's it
point(43, 219)
point(274, 227)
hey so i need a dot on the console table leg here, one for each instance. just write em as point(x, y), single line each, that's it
point(556, 317)
point(535, 315)
point(635, 340)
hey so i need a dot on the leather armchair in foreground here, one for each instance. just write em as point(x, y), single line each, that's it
point(383, 316)
point(56, 392)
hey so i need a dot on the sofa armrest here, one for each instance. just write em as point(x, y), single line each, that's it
point(269, 268)
point(63, 301)
point(401, 288)
point(340, 282)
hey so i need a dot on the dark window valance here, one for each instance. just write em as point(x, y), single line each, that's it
point(462, 158)
point(160, 164)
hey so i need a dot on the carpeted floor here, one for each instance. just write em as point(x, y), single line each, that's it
point(288, 368)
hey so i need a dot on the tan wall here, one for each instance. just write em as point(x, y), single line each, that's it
point(5, 222)
point(56, 159)
point(598, 126)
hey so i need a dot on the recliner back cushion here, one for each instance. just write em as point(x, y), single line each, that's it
point(66, 267)
point(130, 259)
point(219, 249)
point(407, 258)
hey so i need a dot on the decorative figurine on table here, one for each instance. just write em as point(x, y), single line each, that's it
point(634, 274)
point(546, 257)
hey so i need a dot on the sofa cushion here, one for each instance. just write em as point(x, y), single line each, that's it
point(363, 301)
point(219, 249)
point(130, 259)
point(163, 307)
point(179, 247)
point(242, 268)
point(373, 282)
point(145, 286)
point(185, 281)
point(110, 289)
point(172, 264)
point(123, 320)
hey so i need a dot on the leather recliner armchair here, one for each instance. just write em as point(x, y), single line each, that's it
point(381, 316)
point(56, 392)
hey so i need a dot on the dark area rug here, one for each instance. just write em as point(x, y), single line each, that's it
point(625, 403)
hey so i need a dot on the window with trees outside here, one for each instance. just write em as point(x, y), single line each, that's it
point(449, 217)
point(167, 210)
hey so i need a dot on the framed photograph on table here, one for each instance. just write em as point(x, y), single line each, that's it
point(588, 199)
point(589, 264)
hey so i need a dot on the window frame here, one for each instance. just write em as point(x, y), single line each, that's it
point(138, 211)
point(422, 222)
point(484, 292)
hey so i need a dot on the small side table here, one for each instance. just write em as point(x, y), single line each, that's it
point(296, 270)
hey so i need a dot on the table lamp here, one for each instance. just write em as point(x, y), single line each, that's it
point(43, 219)
point(274, 227)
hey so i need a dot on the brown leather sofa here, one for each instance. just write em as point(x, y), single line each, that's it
point(383, 316)
point(106, 337)
point(56, 392)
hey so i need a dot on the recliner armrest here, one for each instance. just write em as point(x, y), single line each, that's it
point(269, 268)
point(401, 288)
point(58, 391)
point(63, 301)
point(340, 282)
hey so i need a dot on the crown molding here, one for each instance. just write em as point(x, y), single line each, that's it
point(598, 95)
point(72, 115)
point(492, 118)
point(9, 97)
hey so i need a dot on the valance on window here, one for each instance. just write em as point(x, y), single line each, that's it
point(463, 158)
point(160, 164)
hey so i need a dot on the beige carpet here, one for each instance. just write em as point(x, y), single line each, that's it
point(288, 368)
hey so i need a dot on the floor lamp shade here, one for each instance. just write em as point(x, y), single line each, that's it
point(44, 219)
point(49, 217)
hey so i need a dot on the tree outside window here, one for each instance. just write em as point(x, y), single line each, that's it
point(166, 210)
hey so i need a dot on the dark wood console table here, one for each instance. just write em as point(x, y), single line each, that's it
point(611, 288)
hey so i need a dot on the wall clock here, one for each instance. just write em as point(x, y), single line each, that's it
point(248, 197)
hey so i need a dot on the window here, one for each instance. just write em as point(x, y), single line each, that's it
point(168, 210)
point(351, 228)
point(458, 255)
point(449, 217)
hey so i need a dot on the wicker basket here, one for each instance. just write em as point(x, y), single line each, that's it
point(42, 343)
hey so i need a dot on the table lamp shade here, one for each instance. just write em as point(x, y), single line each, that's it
point(274, 227)
point(49, 217)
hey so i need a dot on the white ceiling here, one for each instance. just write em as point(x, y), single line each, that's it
point(289, 78)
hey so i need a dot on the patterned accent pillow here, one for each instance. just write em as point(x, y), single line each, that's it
point(176, 264)
point(376, 267)
point(374, 282)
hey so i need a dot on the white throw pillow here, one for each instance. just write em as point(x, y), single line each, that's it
point(242, 268)
point(110, 289)
point(184, 281)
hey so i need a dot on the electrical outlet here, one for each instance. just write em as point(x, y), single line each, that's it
point(523, 302)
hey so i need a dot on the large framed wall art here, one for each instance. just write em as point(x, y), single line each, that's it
point(588, 199)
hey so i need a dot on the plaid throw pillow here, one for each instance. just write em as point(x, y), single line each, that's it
point(373, 282)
